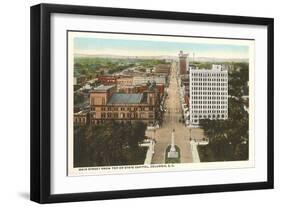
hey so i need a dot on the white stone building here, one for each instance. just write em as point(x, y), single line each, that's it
point(208, 94)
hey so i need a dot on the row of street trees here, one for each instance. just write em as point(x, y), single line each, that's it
point(109, 144)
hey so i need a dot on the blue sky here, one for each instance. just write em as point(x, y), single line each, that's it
point(131, 47)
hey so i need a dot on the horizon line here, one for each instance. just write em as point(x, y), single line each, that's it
point(96, 55)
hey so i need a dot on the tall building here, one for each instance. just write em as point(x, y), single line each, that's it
point(183, 63)
point(106, 104)
point(208, 94)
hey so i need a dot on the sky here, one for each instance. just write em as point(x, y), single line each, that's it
point(132, 47)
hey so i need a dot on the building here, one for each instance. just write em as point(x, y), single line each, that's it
point(123, 81)
point(185, 85)
point(119, 81)
point(139, 80)
point(184, 71)
point(163, 68)
point(80, 79)
point(141, 88)
point(186, 100)
point(139, 84)
point(81, 118)
point(128, 89)
point(106, 104)
point(183, 63)
point(144, 87)
point(107, 80)
point(208, 94)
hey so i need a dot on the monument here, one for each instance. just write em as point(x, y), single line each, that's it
point(173, 152)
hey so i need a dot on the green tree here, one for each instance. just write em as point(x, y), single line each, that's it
point(227, 136)
point(137, 135)
point(78, 98)
point(109, 143)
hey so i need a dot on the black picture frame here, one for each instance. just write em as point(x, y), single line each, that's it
point(41, 96)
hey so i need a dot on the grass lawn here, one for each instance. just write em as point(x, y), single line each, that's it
point(172, 160)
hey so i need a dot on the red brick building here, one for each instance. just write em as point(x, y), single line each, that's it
point(107, 80)
point(107, 104)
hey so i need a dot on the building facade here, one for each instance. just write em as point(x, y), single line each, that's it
point(163, 68)
point(139, 80)
point(208, 94)
point(183, 63)
point(141, 88)
point(123, 81)
point(81, 118)
point(107, 79)
point(106, 104)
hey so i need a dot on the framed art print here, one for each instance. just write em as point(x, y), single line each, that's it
point(133, 103)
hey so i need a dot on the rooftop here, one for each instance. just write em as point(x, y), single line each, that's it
point(214, 69)
point(84, 111)
point(124, 98)
point(143, 80)
point(103, 88)
point(163, 66)
point(181, 54)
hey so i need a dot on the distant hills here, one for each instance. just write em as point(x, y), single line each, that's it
point(199, 59)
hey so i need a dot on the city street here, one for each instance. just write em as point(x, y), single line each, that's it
point(170, 122)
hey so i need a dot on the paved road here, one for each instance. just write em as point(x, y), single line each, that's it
point(170, 122)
